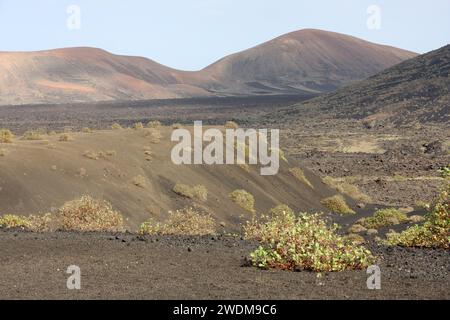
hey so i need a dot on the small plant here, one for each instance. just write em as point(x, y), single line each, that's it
point(6, 136)
point(337, 204)
point(187, 222)
point(231, 125)
point(305, 242)
point(183, 190)
point(65, 137)
point(88, 214)
point(200, 193)
point(116, 126)
point(434, 232)
point(32, 135)
point(177, 126)
point(138, 126)
point(445, 172)
point(10, 221)
point(154, 124)
point(243, 199)
point(300, 175)
point(86, 130)
point(384, 218)
point(346, 188)
point(140, 181)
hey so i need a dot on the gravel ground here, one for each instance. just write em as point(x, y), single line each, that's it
point(127, 266)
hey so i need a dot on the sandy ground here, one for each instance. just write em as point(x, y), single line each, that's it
point(133, 267)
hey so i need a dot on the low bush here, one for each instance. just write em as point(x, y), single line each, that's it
point(88, 214)
point(305, 242)
point(384, 218)
point(116, 126)
point(65, 137)
point(231, 125)
point(6, 136)
point(337, 204)
point(32, 135)
point(187, 222)
point(154, 124)
point(243, 199)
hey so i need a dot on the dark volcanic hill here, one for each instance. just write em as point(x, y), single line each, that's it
point(415, 90)
point(306, 61)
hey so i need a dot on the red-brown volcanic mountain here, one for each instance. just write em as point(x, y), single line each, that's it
point(302, 61)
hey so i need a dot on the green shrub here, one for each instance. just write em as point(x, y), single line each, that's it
point(243, 199)
point(337, 204)
point(10, 221)
point(187, 222)
point(434, 232)
point(6, 136)
point(305, 242)
point(385, 217)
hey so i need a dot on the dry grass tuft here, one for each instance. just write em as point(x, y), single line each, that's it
point(116, 126)
point(187, 221)
point(300, 175)
point(32, 135)
point(154, 124)
point(140, 181)
point(231, 125)
point(6, 136)
point(243, 199)
point(337, 204)
point(346, 188)
point(65, 137)
point(138, 126)
point(86, 130)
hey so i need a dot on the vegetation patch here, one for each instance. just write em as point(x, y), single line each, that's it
point(231, 125)
point(116, 126)
point(138, 126)
point(88, 214)
point(154, 124)
point(198, 192)
point(337, 204)
point(32, 135)
point(243, 199)
point(187, 222)
point(300, 175)
point(65, 137)
point(346, 188)
point(385, 217)
point(305, 242)
point(434, 232)
point(6, 136)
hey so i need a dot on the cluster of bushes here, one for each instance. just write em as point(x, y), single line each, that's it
point(303, 242)
point(84, 214)
point(187, 221)
point(383, 218)
point(434, 232)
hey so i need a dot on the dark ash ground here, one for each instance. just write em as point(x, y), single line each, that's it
point(131, 267)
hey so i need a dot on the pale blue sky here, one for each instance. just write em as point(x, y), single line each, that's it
point(190, 34)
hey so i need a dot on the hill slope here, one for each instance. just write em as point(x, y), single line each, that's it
point(137, 177)
point(300, 62)
point(415, 90)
